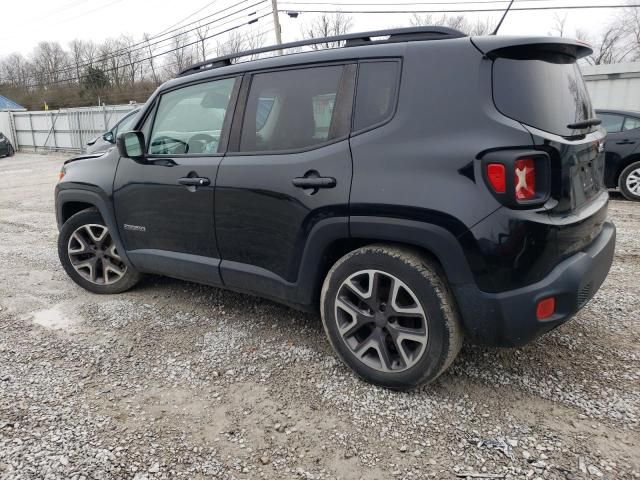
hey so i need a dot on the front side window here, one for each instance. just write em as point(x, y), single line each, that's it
point(291, 109)
point(376, 96)
point(189, 120)
point(126, 124)
point(631, 123)
point(611, 123)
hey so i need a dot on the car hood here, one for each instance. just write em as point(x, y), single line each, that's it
point(85, 156)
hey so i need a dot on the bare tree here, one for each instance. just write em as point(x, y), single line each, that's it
point(150, 59)
point(630, 21)
point(559, 27)
point(181, 56)
point(201, 34)
point(76, 55)
point(608, 47)
point(255, 41)
point(16, 70)
point(457, 22)
point(234, 43)
point(50, 60)
point(327, 25)
point(133, 64)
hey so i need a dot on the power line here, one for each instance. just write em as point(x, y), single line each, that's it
point(112, 95)
point(372, 4)
point(566, 7)
point(89, 12)
point(66, 80)
point(147, 45)
point(201, 19)
point(188, 16)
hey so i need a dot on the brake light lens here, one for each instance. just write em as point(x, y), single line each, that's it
point(61, 173)
point(525, 178)
point(496, 173)
point(546, 307)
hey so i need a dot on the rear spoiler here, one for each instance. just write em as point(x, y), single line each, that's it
point(529, 47)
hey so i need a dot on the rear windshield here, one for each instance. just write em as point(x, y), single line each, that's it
point(547, 94)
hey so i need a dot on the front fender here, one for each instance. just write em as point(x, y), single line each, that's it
point(99, 200)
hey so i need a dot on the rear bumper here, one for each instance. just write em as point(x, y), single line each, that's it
point(509, 318)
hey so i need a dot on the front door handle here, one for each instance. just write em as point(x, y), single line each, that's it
point(314, 182)
point(194, 181)
point(625, 142)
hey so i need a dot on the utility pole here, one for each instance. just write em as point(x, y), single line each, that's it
point(276, 23)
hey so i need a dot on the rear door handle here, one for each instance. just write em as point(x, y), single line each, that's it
point(314, 182)
point(625, 142)
point(194, 181)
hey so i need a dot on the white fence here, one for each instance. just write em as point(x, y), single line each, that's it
point(60, 130)
point(614, 86)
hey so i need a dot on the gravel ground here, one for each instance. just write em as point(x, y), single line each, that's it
point(177, 380)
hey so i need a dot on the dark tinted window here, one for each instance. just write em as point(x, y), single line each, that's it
point(290, 109)
point(631, 123)
point(548, 93)
point(376, 96)
point(610, 122)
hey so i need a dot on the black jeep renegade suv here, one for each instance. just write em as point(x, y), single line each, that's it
point(415, 185)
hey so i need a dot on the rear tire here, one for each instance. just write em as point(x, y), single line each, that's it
point(390, 316)
point(89, 256)
point(10, 151)
point(629, 182)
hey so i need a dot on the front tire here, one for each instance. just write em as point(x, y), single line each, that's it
point(89, 255)
point(390, 316)
point(629, 182)
point(10, 151)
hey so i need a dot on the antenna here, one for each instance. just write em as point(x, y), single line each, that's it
point(502, 19)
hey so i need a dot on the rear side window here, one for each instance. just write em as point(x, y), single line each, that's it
point(611, 123)
point(292, 109)
point(376, 95)
point(547, 93)
point(631, 123)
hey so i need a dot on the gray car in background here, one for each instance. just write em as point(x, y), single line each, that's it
point(104, 142)
point(6, 149)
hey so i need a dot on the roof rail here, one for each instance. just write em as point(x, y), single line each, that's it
point(351, 40)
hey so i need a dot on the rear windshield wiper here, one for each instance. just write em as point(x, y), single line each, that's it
point(592, 122)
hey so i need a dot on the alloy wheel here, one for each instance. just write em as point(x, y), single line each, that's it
point(633, 181)
point(381, 321)
point(94, 256)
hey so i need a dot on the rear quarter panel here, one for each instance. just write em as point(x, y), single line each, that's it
point(420, 165)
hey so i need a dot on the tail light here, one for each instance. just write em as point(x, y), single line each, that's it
point(525, 178)
point(497, 175)
point(517, 178)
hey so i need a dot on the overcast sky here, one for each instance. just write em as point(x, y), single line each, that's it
point(27, 22)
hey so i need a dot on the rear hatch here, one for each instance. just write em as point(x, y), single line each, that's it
point(538, 83)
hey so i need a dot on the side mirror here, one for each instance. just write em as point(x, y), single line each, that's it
point(108, 137)
point(131, 145)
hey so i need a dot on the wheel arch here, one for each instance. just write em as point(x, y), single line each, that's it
point(628, 160)
point(431, 240)
point(70, 201)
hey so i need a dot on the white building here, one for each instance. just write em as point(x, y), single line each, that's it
point(614, 86)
